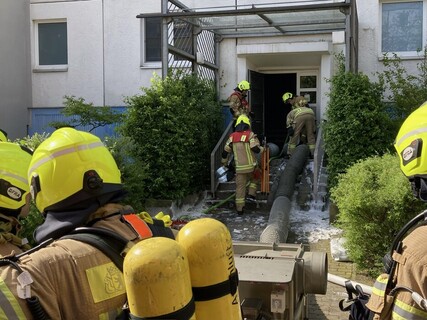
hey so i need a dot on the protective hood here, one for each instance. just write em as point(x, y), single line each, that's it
point(60, 223)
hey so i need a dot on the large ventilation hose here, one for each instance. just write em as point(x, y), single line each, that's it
point(277, 229)
point(315, 263)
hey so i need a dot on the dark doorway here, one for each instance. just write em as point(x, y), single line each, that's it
point(275, 85)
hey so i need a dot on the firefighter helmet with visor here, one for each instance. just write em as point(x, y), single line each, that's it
point(411, 146)
point(14, 163)
point(287, 96)
point(70, 167)
point(243, 118)
point(243, 85)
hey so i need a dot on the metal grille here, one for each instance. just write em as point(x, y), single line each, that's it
point(190, 48)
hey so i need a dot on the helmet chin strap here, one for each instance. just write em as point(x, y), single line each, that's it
point(419, 188)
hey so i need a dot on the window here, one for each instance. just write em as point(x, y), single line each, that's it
point(181, 38)
point(402, 27)
point(308, 88)
point(153, 36)
point(51, 42)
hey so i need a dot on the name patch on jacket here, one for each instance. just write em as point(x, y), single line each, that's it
point(105, 282)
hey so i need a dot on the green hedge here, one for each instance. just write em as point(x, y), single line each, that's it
point(357, 125)
point(173, 127)
point(375, 200)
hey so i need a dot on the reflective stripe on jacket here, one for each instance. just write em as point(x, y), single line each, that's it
point(241, 142)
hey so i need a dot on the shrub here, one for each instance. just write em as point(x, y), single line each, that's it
point(375, 200)
point(173, 125)
point(406, 91)
point(357, 124)
point(83, 114)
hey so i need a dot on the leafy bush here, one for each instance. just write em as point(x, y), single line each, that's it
point(85, 114)
point(173, 126)
point(132, 169)
point(407, 91)
point(375, 200)
point(357, 124)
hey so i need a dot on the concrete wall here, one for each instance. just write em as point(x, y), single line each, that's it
point(15, 84)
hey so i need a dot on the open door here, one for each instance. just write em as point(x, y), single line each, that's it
point(257, 102)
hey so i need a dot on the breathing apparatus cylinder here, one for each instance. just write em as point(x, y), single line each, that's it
point(157, 280)
point(213, 272)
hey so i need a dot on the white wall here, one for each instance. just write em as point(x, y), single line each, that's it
point(15, 84)
point(104, 48)
point(370, 40)
point(84, 77)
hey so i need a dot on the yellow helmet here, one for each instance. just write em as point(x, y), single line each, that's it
point(243, 85)
point(411, 146)
point(3, 136)
point(69, 167)
point(15, 160)
point(243, 118)
point(287, 96)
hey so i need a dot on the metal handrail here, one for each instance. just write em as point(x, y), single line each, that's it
point(319, 153)
point(216, 157)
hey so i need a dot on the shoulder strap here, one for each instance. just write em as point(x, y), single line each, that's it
point(107, 241)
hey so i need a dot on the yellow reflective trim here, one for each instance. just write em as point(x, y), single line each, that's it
point(105, 281)
point(378, 292)
point(410, 309)
point(104, 316)
point(110, 315)
point(10, 309)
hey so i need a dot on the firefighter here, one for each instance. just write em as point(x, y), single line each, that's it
point(75, 183)
point(14, 196)
point(401, 292)
point(238, 103)
point(301, 122)
point(288, 100)
point(244, 144)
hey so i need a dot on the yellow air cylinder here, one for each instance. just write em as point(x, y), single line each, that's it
point(157, 280)
point(213, 272)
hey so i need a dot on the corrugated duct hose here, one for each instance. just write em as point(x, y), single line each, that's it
point(278, 222)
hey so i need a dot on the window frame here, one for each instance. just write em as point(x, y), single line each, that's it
point(51, 67)
point(144, 62)
point(402, 54)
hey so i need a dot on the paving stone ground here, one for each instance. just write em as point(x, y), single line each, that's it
point(321, 307)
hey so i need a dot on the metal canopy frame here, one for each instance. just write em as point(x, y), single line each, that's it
point(255, 20)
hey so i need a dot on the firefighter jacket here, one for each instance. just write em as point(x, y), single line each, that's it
point(238, 104)
point(302, 120)
point(72, 279)
point(297, 112)
point(241, 144)
point(410, 276)
point(9, 241)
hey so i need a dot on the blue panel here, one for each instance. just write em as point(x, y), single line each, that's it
point(41, 117)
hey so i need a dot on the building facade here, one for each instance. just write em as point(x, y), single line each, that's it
point(106, 50)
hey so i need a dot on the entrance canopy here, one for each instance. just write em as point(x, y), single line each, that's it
point(263, 20)
point(270, 19)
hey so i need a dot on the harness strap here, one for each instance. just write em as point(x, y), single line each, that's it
point(218, 290)
point(107, 241)
point(182, 314)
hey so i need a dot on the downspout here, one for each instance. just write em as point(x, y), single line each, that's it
point(103, 53)
point(164, 40)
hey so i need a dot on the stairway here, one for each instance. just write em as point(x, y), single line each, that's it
point(305, 196)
